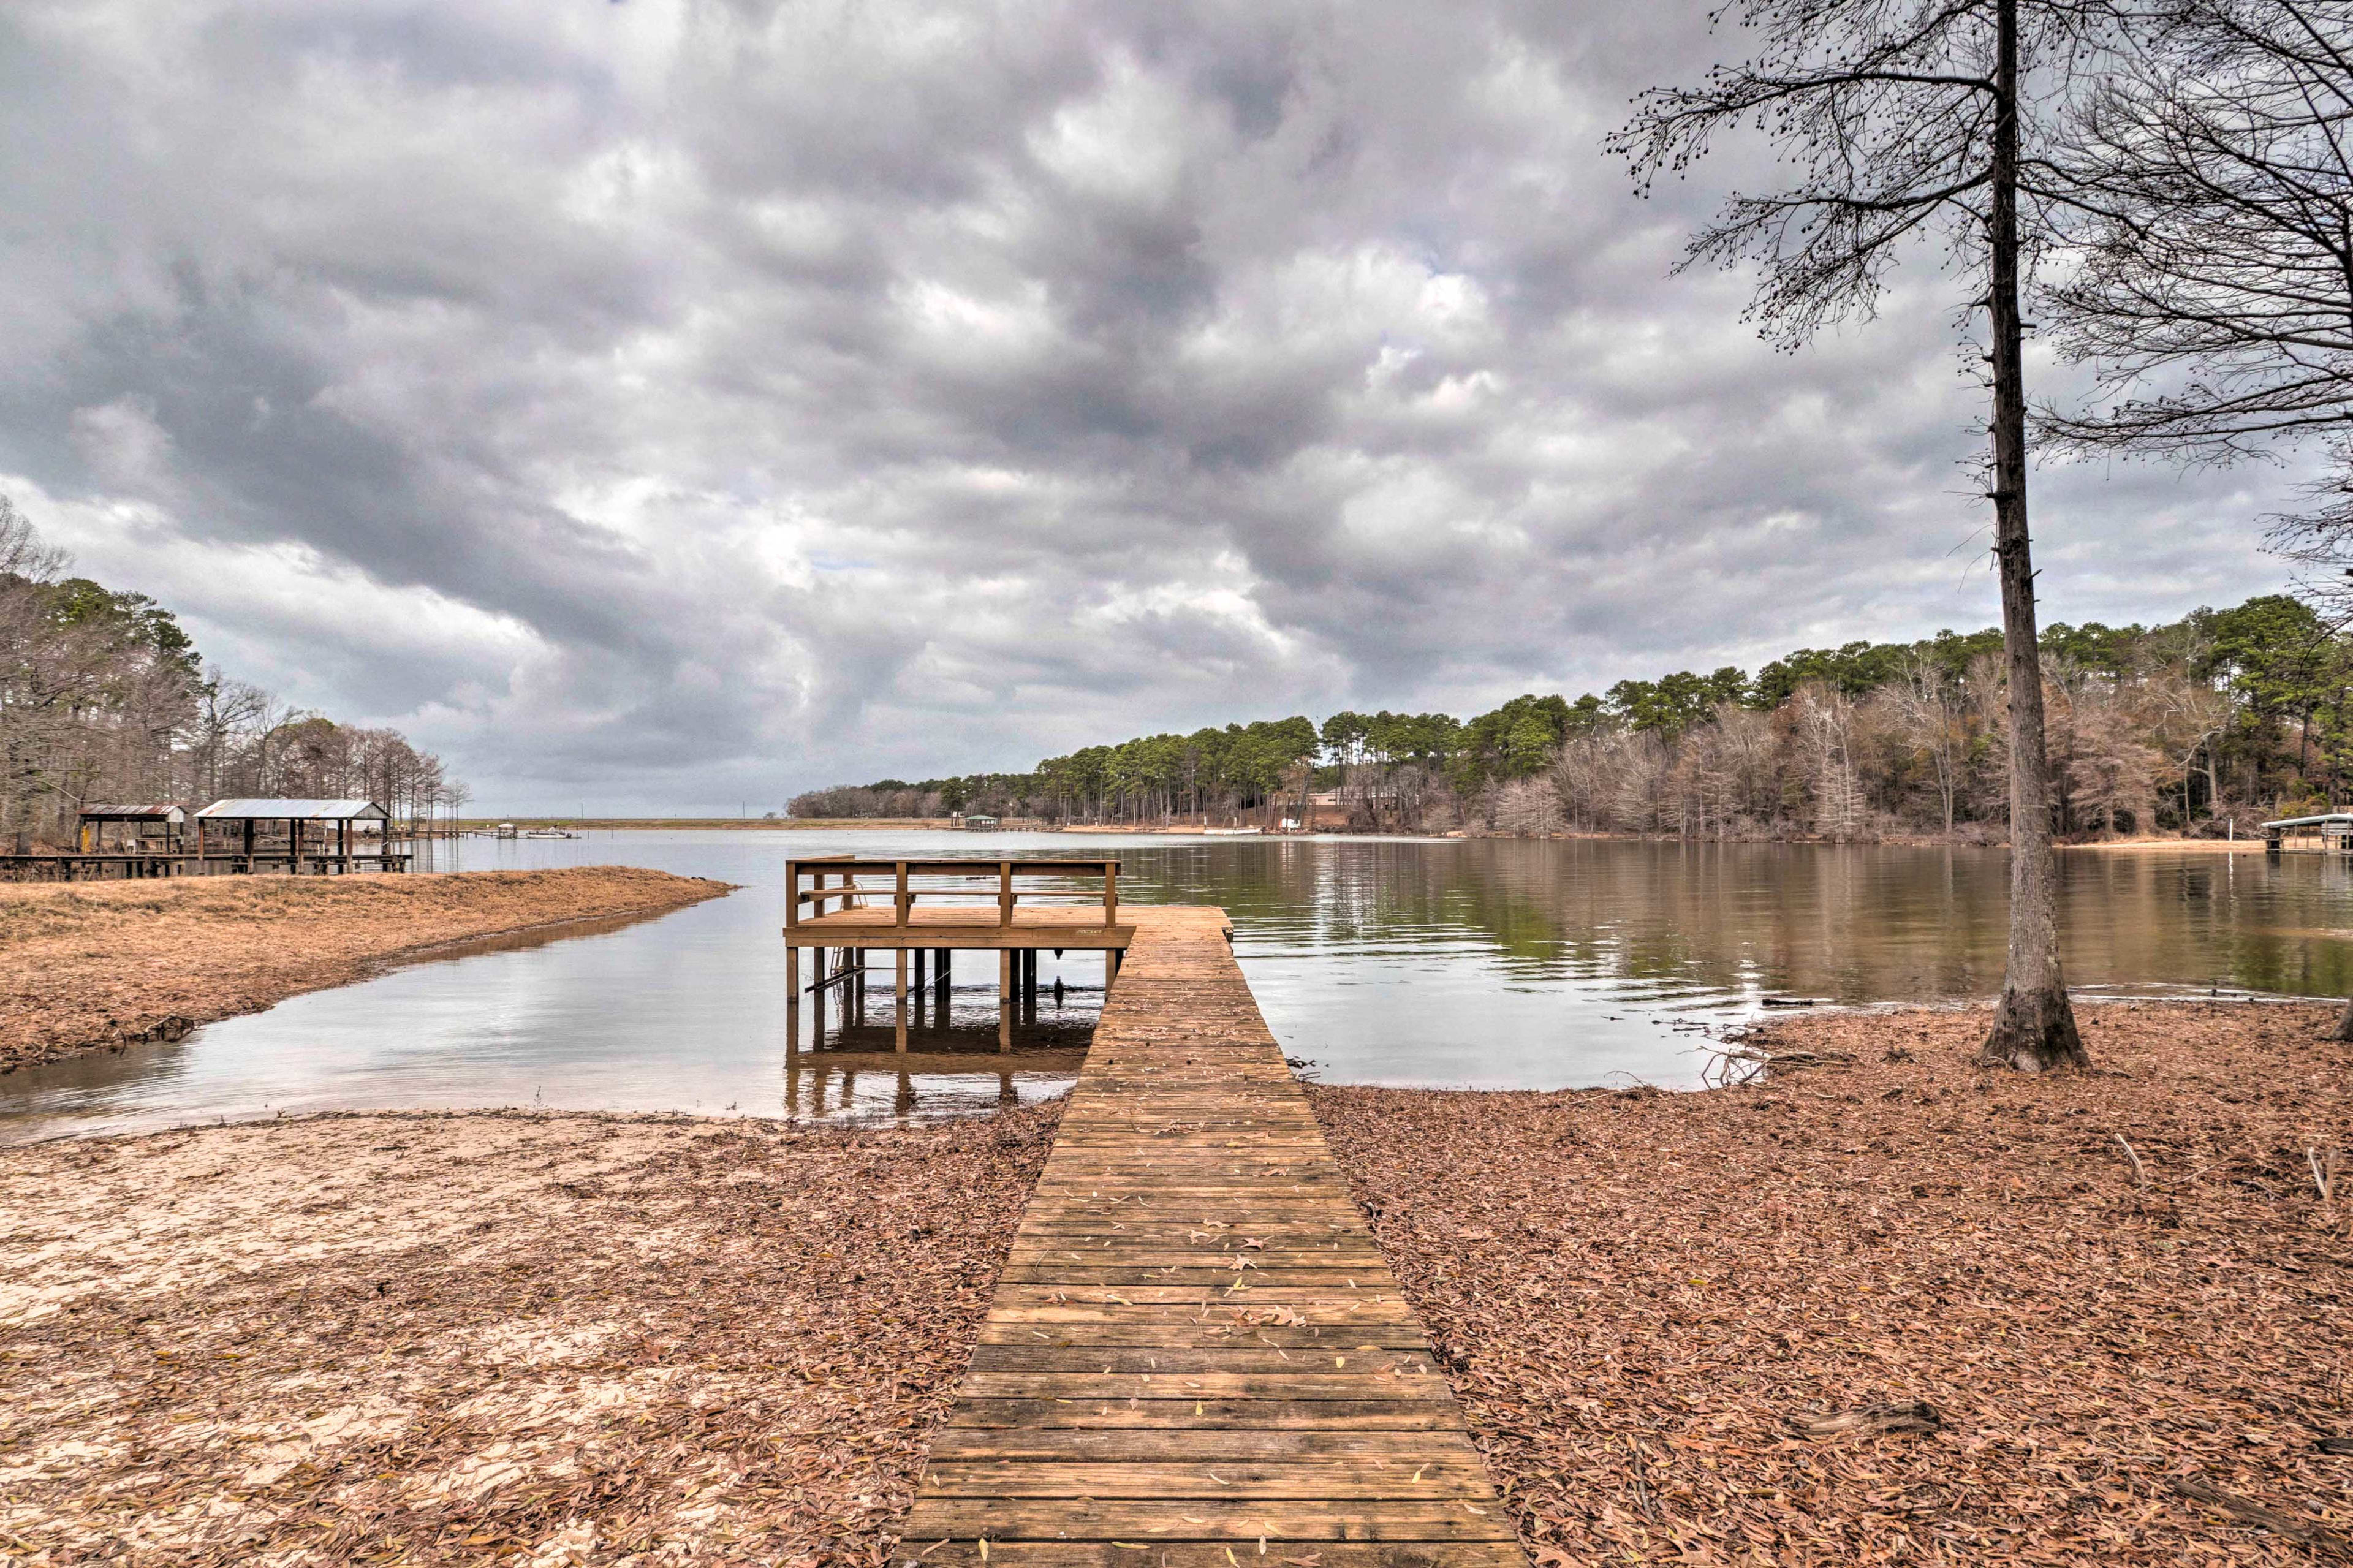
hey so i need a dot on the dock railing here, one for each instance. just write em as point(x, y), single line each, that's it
point(961, 883)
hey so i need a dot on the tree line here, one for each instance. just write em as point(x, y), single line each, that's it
point(105, 699)
point(2203, 725)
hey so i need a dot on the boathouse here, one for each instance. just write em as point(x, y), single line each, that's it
point(320, 837)
point(166, 818)
point(2329, 832)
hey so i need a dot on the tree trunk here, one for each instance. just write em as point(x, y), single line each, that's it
point(2034, 1029)
point(2344, 1030)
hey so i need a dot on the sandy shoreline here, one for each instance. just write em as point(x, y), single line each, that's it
point(591, 1339)
point(488, 1337)
point(98, 965)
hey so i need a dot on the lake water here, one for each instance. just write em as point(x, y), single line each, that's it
point(1477, 962)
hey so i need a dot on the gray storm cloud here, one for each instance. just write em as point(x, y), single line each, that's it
point(675, 404)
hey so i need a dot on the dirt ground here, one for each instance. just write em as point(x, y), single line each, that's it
point(96, 965)
point(488, 1338)
point(1668, 1315)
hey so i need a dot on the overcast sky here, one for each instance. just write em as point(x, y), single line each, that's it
point(663, 406)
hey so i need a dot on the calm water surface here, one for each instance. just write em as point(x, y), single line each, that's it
point(1483, 962)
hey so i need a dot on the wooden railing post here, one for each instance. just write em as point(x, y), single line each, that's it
point(792, 894)
point(1005, 892)
point(1111, 895)
point(901, 902)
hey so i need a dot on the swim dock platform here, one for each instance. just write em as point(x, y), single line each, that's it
point(924, 911)
point(1195, 1357)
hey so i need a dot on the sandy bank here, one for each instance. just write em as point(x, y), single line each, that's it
point(1640, 1293)
point(2176, 845)
point(91, 966)
point(488, 1338)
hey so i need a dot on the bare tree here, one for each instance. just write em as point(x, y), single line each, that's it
point(1906, 119)
point(2215, 288)
point(1929, 709)
point(23, 554)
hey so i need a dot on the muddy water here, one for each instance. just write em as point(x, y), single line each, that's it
point(1492, 963)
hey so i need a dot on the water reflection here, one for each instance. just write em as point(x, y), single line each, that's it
point(1485, 963)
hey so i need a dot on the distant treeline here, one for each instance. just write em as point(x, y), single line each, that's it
point(103, 697)
point(2222, 715)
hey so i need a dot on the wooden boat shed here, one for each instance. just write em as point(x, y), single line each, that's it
point(90, 835)
point(334, 848)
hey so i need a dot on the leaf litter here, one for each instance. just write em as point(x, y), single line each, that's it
point(490, 1337)
point(1882, 1306)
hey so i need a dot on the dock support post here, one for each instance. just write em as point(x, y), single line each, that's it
point(793, 1003)
point(816, 1003)
point(1111, 969)
point(943, 1010)
point(858, 984)
point(899, 996)
point(1004, 998)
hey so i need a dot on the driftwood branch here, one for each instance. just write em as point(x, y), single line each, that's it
point(2140, 1176)
point(2318, 1537)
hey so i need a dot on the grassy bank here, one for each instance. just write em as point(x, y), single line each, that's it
point(94, 965)
point(1666, 1312)
point(488, 1338)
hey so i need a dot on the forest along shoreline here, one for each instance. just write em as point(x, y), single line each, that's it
point(1879, 1305)
point(93, 967)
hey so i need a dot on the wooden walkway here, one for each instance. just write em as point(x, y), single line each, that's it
point(1196, 1357)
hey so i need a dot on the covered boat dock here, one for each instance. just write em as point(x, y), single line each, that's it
point(228, 837)
point(2328, 832)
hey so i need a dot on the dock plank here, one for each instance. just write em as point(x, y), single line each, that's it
point(1196, 1341)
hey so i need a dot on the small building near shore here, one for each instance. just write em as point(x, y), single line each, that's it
point(166, 817)
point(339, 824)
point(2331, 832)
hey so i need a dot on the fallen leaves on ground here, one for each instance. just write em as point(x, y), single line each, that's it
point(544, 1340)
point(1690, 1327)
point(98, 965)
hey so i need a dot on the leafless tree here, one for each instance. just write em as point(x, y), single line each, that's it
point(1909, 118)
point(2214, 290)
point(96, 704)
point(1931, 713)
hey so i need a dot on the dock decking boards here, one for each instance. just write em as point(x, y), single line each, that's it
point(1196, 1355)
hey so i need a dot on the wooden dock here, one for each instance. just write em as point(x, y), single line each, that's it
point(1196, 1357)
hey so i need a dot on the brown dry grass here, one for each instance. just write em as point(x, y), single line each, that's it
point(1639, 1293)
point(94, 965)
point(488, 1337)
